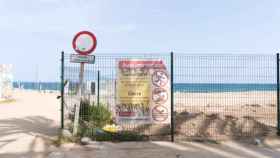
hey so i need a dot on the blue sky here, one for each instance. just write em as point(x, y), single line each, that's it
point(33, 32)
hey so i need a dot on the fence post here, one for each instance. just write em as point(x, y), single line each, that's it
point(98, 84)
point(62, 90)
point(278, 96)
point(172, 97)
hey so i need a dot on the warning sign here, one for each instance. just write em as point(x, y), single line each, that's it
point(160, 78)
point(160, 113)
point(142, 92)
point(160, 101)
point(159, 95)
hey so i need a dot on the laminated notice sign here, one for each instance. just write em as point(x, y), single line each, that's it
point(142, 92)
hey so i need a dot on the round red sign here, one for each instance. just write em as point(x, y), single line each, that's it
point(84, 42)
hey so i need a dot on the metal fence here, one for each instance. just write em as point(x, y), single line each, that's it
point(212, 96)
point(225, 96)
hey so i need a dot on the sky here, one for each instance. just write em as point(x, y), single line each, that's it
point(34, 32)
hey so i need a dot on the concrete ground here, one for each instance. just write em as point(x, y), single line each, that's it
point(166, 150)
point(27, 125)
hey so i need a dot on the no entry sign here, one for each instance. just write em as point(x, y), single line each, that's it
point(84, 42)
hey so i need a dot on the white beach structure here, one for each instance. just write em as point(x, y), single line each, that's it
point(6, 81)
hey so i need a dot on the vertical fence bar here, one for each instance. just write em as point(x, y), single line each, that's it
point(172, 97)
point(278, 96)
point(98, 85)
point(62, 90)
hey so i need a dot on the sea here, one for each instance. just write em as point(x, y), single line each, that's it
point(178, 87)
point(52, 86)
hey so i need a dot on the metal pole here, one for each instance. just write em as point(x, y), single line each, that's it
point(98, 85)
point(172, 97)
point(81, 94)
point(278, 96)
point(62, 90)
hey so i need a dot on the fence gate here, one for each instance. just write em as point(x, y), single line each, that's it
point(214, 96)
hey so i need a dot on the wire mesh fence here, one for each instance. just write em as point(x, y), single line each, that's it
point(225, 96)
point(215, 96)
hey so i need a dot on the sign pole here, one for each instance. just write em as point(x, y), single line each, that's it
point(80, 45)
point(80, 94)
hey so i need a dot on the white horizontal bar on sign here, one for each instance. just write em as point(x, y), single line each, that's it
point(76, 58)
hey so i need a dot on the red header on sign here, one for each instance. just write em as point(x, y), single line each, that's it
point(141, 64)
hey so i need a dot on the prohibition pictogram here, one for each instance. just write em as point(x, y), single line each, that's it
point(159, 95)
point(84, 42)
point(160, 78)
point(160, 113)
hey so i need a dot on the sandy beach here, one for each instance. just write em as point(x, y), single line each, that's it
point(220, 115)
point(226, 98)
point(28, 123)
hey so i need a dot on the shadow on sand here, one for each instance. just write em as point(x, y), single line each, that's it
point(33, 127)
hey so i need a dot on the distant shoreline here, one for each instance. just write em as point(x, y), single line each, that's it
point(178, 87)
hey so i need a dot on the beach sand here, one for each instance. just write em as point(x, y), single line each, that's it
point(226, 115)
point(219, 116)
point(28, 123)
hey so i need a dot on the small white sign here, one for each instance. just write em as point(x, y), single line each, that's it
point(76, 58)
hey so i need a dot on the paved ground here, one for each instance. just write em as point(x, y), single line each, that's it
point(157, 150)
point(168, 150)
point(27, 125)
